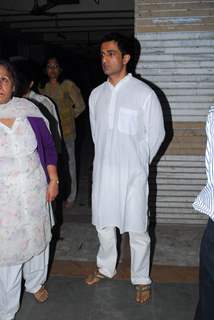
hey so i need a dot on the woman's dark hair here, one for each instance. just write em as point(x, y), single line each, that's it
point(10, 68)
point(45, 78)
point(124, 43)
point(24, 74)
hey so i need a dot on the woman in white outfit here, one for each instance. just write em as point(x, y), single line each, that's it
point(28, 183)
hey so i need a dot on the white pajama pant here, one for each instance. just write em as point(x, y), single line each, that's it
point(70, 146)
point(33, 271)
point(140, 254)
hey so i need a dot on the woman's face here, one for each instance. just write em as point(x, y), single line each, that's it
point(53, 69)
point(6, 85)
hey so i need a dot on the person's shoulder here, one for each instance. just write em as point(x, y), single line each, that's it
point(39, 127)
point(47, 100)
point(97, 89)
point(211, 109)
point(43, 99)
point(210, 116)
point(24, 102)
point(68, 83)
point(21, 101)
point(35, 95)
point(140, 85)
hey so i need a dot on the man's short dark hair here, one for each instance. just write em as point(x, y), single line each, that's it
point(122, 41)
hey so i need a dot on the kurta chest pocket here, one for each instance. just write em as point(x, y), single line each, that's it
point(127, 121)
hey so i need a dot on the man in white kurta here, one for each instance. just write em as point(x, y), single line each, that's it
point(127, 130)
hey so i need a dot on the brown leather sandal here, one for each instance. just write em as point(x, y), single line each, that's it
point(41, 295)
point(94, 278)
point(143, 293)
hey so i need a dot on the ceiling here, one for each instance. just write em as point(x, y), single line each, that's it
point(69, 24)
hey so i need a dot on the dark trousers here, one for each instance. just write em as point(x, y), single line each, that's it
point(205, 308)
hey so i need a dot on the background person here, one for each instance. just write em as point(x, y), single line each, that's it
point(127, 129)
point(70, 103)
point(205, 204)
point(25, 73)
point(28, 183)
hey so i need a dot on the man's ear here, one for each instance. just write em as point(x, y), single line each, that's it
point(126, 58)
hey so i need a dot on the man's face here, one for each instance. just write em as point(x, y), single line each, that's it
point(53, 69)
point(113, 63)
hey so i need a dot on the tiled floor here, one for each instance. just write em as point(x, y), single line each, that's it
point(71, 299)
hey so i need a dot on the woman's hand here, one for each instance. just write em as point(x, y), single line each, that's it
point(53, 190)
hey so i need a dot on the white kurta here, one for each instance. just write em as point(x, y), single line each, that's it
point(25, 228)
point(127, 129)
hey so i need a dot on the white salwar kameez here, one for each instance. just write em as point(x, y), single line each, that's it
point(25, 222)
point(127, 129)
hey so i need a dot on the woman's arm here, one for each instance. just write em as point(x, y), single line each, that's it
point(50, 162)
point(53, 186)
point(76, 96)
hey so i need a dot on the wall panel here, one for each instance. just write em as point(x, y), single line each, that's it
point(189, 83)
point(177, 60)
point(172, 15)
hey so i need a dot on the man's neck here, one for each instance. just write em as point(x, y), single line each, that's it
point(114, 79)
